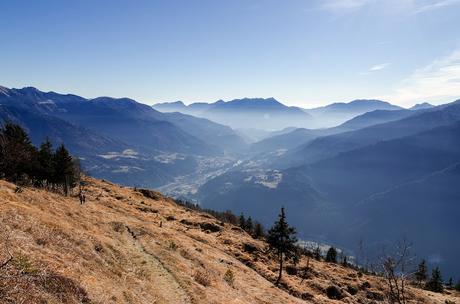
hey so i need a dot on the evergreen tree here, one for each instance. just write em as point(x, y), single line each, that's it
point(450, 283)
point(258, 231)
point(317, 253)
point(64, 169)
point(421, 273)
point(281, 240)
point(46, 163)
point(249, 226)
point(435, 282)
point(331, 255)
point(242, 222)
point(345, 261)
point(16, 153)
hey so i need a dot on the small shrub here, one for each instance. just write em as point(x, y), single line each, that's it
point(150, 194)
point(118, 227)
point(250, 248)
point(172, 245)
point(333, 292)
point(207, 226)
point(202, 277)
point(352, 290)
point(40, 242)
point(185, 254)
point(98, 247)
point(291, 270)
point(25, 265)
point(229, 277)
point(377, 296)
point(365, 285)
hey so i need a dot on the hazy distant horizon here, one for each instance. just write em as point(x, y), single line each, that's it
point(301, 105)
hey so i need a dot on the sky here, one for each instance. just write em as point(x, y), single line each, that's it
point(302, 52)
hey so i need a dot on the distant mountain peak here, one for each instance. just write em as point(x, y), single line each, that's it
point(31, 89)
point(255, 101)
point(172, 103)
point(423, 105)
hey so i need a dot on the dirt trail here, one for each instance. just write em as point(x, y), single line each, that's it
point(166, 287)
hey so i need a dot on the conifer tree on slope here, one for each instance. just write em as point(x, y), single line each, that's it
point(242, 222)
point(435, 283)
point(282, 241)
point(258, 230)
point(46, 163)
point(16, 152)
point(64, 169)
point(249, 226)
point(421, 273)
point(331, 255)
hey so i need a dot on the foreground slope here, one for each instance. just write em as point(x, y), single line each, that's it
point(129, 246)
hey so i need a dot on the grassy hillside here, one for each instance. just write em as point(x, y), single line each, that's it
point(130, 246)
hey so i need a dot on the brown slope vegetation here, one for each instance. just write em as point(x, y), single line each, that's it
point(130, 246)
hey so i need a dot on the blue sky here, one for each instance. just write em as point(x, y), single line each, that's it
point(302, 52)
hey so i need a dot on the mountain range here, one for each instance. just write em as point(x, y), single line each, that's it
point(374, 171)
point(270, 114)
point(119, 139)
point(339, 112)
point(246, 113)
point(358, 184)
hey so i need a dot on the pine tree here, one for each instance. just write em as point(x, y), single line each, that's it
point(258, 231)
point(345, 261)
point(17, 153)
point(331, 255)
point(242, 222)
point(249, 226)
point(317, 253)
point(64, 169)
point(421, 273)
point(435, 282)
point(281, 240)
point(46, 163)
point(450, 283)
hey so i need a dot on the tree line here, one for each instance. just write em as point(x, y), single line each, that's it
point(24, 164)
point(253, 228)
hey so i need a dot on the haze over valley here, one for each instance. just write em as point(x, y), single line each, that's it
point(230, 152)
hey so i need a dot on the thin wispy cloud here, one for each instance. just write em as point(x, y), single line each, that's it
point(403, 6)
point(375, 68)
point(435, 5)
point(436, 82)
point(378, 67)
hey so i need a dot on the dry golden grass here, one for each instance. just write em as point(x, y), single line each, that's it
point(124, 246)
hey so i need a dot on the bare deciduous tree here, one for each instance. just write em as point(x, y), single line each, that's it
point(396, 269)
